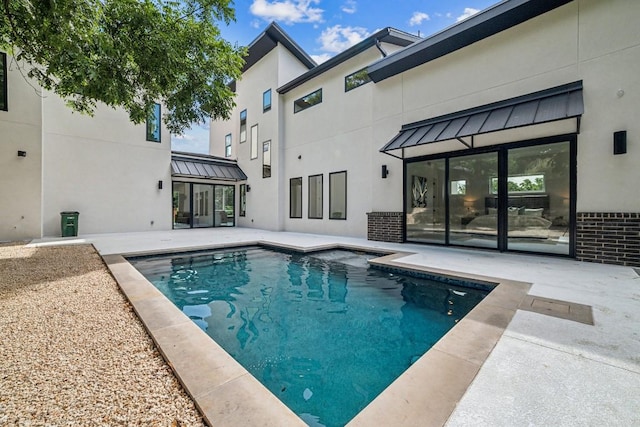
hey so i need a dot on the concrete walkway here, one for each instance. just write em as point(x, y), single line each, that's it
point(543, 371)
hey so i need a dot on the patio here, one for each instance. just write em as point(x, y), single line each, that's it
point(543, 370)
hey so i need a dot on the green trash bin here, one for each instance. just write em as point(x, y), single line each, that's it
point(69, 223)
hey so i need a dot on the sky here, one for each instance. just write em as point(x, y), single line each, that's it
point(324, 28)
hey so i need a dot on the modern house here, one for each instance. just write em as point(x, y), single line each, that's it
point(515, 130)
point(116, 175)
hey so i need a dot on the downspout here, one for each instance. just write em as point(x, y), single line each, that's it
point(379, 46)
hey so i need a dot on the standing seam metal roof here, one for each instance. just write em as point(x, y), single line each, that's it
point(558, 103)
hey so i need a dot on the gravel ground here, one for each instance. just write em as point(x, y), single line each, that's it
point(73, 352)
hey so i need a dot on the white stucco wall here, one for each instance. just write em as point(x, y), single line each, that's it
point(20, 129)
point(104, 168)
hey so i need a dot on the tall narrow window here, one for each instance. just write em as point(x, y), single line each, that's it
point(266, 101)
point(338, 195)
point(153, 124)
point(3, 81)
point(243, 125)
point(307, 101)
point(266, 159)
point(254, 142)
point(227, 145)
point(315, 197)
point(295, 198)
point(243, 200)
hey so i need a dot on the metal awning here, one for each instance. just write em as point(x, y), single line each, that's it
point(205, 167)
point(558, 103)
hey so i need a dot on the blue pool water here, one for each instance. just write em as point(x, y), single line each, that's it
point(324, 332)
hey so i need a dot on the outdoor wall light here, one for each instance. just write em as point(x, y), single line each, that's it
point(160, 185)
point(22, 153)
point(620, 142)
point(248, 188)
point(385, 171)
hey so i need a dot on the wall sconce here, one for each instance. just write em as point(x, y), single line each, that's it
point(248, 188)
point(620, 142)
point(160, 185)
point(385, 171)
point(299, 156)
point(22, 153)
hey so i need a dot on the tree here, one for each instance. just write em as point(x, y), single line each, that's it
point(127, 53)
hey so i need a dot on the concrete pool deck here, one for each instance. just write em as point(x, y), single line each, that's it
point(543, 370)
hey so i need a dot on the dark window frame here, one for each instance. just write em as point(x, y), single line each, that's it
point(321, 198)
point(227, 145)
point(307, 101)
point(266, 168)
point(243, 124)
point(157, 117)
point(291, 180)
point(360, 82)
point(266, 107)
point(242, 202)
point(345, 196)
point(4, 102)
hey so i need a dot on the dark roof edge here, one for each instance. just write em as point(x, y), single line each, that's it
point(268, 40)
point(183, 155)
point(558, 90)
point(486, 23)
point(387, 35)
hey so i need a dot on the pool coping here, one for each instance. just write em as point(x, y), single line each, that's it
point(227, 394)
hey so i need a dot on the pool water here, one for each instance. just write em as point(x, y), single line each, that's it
point(324, 332)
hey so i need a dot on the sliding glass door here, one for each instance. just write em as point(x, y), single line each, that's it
point(197, 205)
point(518, 197)
point(473, 213)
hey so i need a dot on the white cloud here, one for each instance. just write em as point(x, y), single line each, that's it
point(321, 58)
point(349, 6)
point(468, 11)
point(338, 38)
point(287, 11)
point(417, 18)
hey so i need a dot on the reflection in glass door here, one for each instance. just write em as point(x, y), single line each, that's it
point(425, 201)
point(202, 205)
point(181, 205)
point(473, 207)
point(538, 183)
point(224, 206)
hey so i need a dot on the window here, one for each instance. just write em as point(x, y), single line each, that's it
point(266, 159)
point(254, 142)
point(227, 145)
point(460, 187)
point(338, 195)
point(266, 101)
point(243, 200)
point(243, 126)
point(307, 101)
point(295, 198)
point(153, 124)
point(356, 79)
point(3, 81)
point(315, 197)
point(521, 184)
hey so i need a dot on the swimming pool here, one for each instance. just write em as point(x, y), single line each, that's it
point(324, 332)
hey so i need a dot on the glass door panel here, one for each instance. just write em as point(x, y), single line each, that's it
point(425, 201)
point(473, 200)
point(181, 205)
point(224, 206)
point(202, 205)
point(539, 187)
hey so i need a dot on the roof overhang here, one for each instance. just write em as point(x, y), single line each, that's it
point(490, 21)
point(204, 167)
point(538, 108)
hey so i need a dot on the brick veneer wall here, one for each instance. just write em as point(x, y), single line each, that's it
point(608, 238)
point(385, 226)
